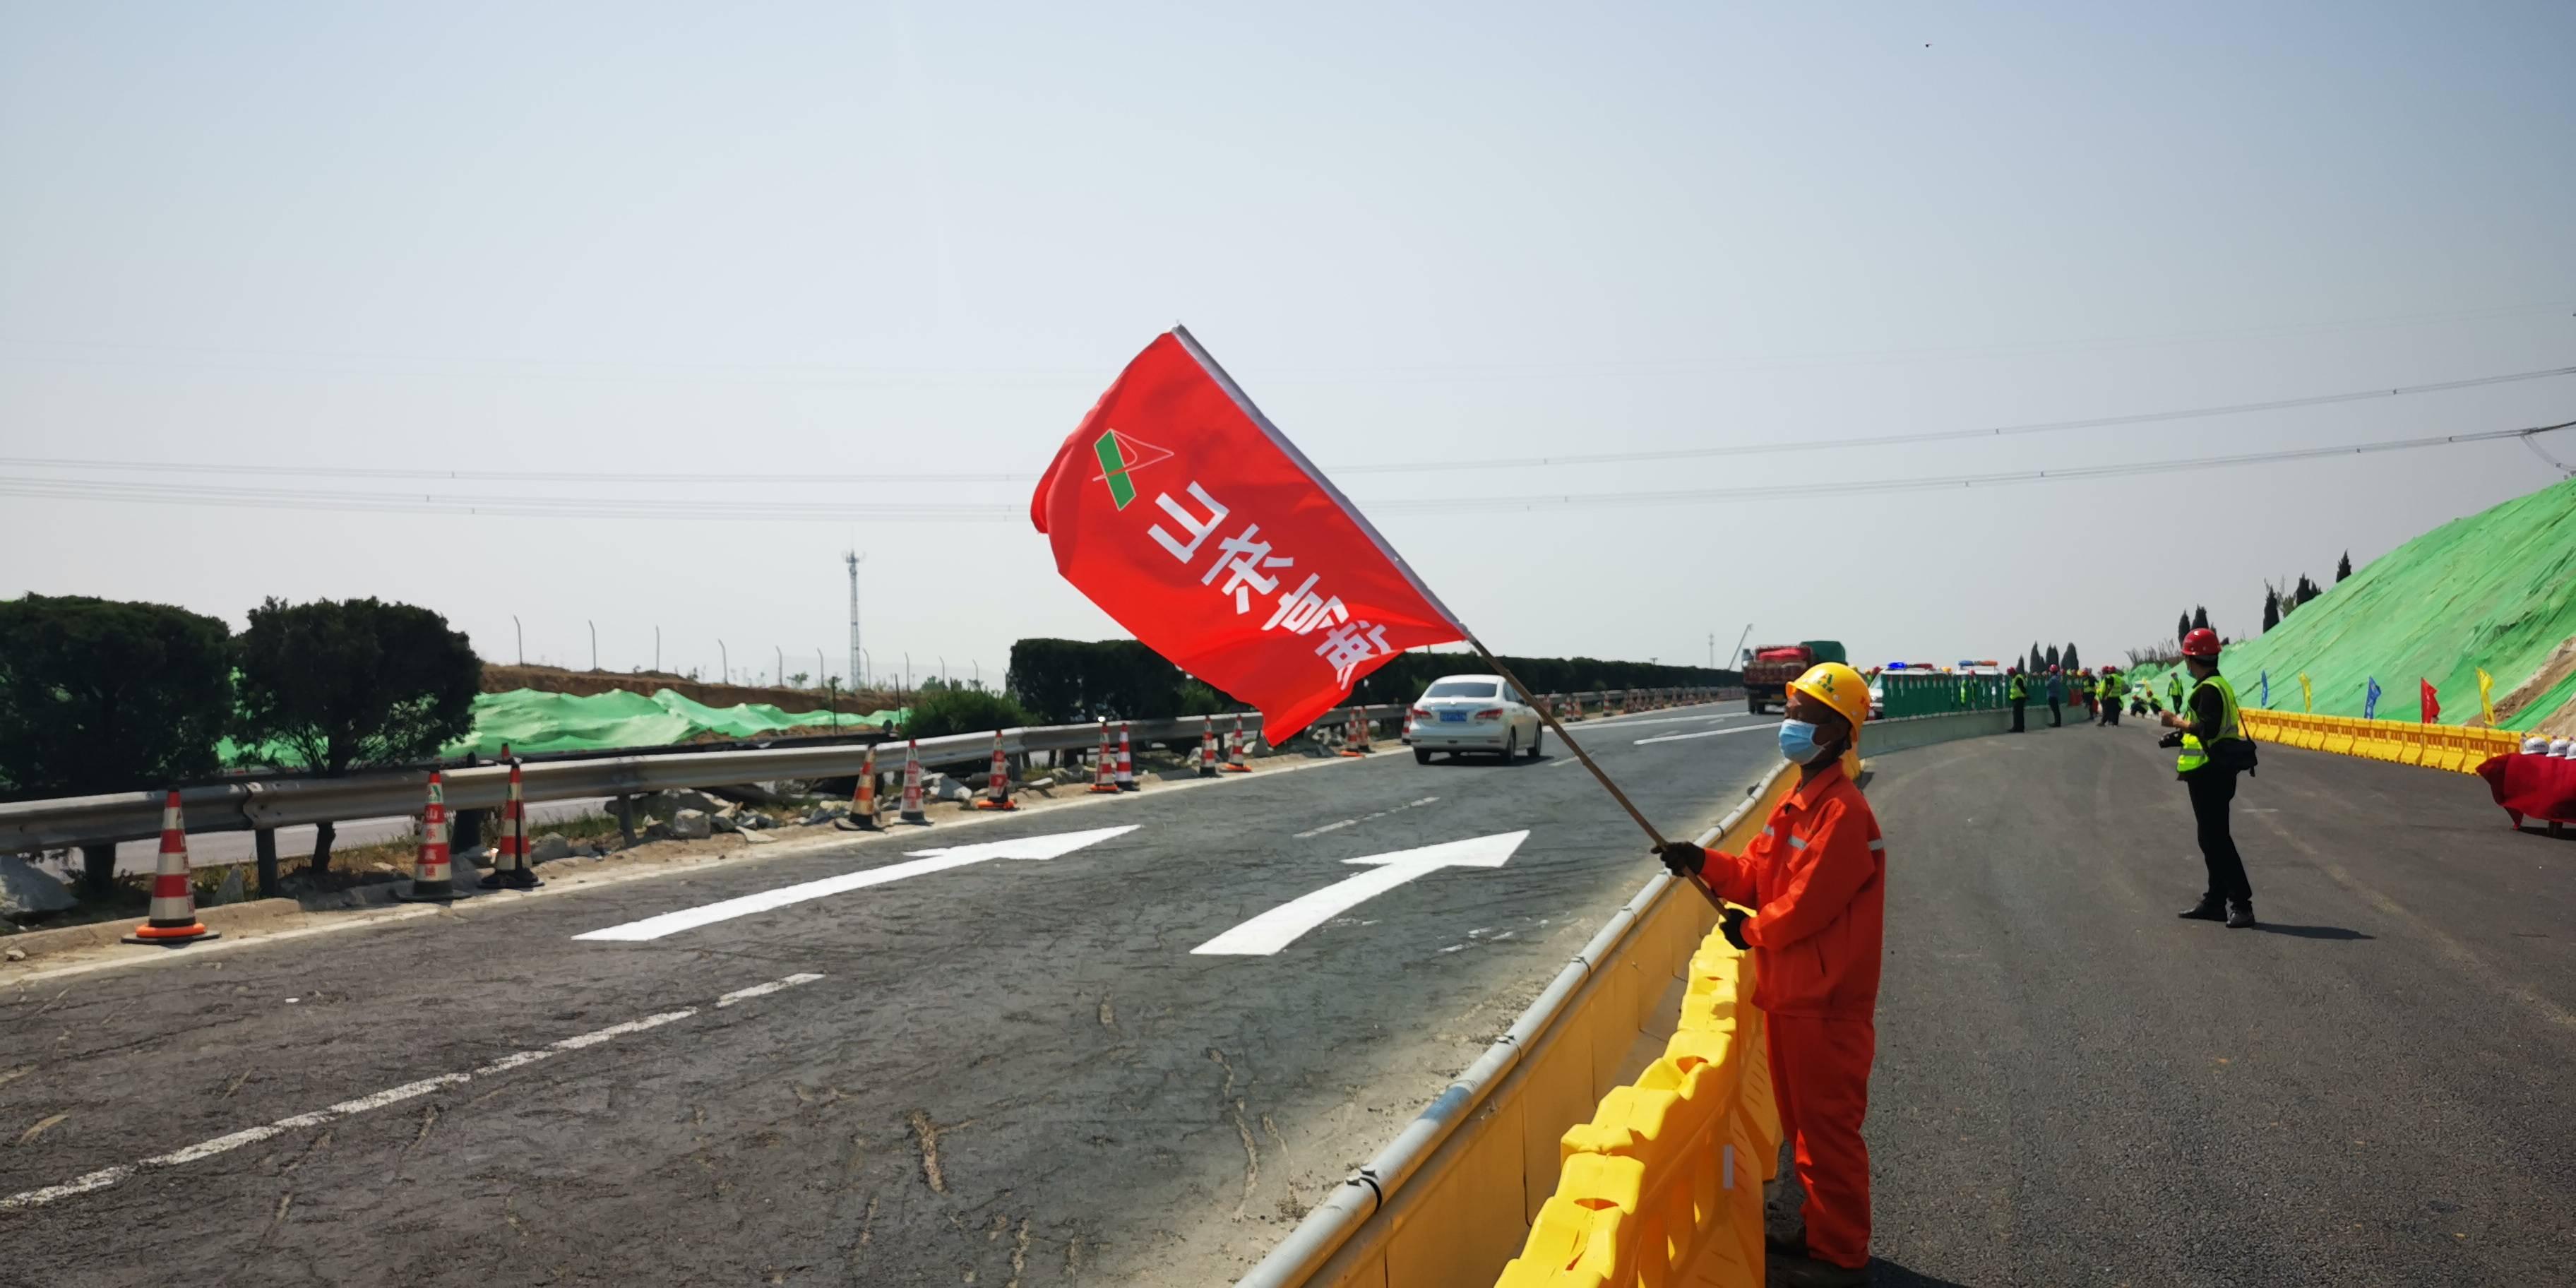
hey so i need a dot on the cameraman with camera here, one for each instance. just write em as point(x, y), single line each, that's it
point(2214, 751)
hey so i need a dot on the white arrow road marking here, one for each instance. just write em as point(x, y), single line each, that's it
point(1281, 926)
point(1704, 733)
point(925, 861)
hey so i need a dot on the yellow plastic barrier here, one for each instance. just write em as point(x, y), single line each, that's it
point(1664, 1184)
point(2457, 748)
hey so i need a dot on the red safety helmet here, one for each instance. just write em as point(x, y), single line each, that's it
point(2201, 642)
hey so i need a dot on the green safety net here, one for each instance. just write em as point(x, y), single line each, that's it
point(2495, 590)
point(530, 721)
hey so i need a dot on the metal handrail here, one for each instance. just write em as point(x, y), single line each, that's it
point(288, 801)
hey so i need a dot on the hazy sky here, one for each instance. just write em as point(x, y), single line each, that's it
point(750, 244)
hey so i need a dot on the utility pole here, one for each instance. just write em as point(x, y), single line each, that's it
point(1712, 650)
point(858, 656)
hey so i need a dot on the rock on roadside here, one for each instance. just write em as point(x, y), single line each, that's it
point(26, 891)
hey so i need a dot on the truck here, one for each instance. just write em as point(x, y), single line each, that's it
point(1769, 669)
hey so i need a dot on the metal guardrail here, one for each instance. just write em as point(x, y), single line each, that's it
point(287, 802)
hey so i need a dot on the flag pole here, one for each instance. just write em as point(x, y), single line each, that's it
point(1698, 882)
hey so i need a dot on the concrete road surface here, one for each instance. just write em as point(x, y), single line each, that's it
point(990, 1053)
point(2074, 1088)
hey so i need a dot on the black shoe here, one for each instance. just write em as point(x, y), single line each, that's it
point(2205, 910)
point(1791, 1244)
point(2241, 917)
point(1802, 1272)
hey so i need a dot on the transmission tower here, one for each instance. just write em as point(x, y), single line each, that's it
point(857, 655)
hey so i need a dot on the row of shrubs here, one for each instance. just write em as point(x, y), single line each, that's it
point(102, 695)
point(1065, 681)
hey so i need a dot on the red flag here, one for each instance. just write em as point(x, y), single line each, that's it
point(2432, 704)
point(1186, 515)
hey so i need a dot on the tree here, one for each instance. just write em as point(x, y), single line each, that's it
point(101, 696)
point(2070, 660)
point(340, 683)
point(2053, 660)
point(2182, 627)
point(2343, 568)
point(2036, 662)
point(2271, 608)
point(2308, 589)
point(2200, 619)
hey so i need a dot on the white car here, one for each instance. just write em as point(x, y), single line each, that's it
point(1471, 713)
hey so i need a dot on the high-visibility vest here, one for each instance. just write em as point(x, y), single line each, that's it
point(2020, 693)
point(2173, 691)
point(2194, 755)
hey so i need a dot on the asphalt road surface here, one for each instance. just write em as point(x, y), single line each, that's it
point(2074, 1088)
point(974, 1066)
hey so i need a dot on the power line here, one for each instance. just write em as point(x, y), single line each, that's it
point(594, 508)
point(1404, 467)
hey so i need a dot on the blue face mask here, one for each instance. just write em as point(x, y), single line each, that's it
point(1798, 741)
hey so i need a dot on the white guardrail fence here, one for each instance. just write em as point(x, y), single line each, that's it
point(253, 804)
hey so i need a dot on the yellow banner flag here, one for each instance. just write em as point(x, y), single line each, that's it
point(2486, 695)
point(2307, 696)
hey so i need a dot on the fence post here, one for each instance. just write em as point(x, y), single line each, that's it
point(263, 844)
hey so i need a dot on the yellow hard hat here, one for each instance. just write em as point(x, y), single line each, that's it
point(1837, 686)
point(1840, 687)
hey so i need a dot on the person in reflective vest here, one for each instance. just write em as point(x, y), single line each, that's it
point(2173, 690)
point(1816, 879)
point(2019, 693)
point(2214, 750)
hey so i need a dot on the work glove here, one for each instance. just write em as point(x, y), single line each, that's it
point(1682, 857)
point(1730, 923)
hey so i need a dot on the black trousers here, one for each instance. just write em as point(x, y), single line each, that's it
point(2018, 704)
point(2054, 717)
point(2211, 789)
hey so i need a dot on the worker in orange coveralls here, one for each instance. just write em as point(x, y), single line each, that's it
point(1816, 881)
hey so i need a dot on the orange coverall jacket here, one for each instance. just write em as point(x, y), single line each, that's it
point(1816, 879)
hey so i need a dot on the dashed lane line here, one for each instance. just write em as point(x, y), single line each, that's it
point(205, 1149)
point(1366, 818)
point(1704, 733)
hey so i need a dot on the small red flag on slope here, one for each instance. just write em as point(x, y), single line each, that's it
point(1186, 515)
point(2432, 704)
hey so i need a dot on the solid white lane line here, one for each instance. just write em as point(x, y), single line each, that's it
point(935, 860)
point(1704, 733)
point(206, 1149)
point(1328, 827)
point(764, 990)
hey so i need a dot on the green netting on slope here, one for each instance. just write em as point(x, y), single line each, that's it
point(2496, 590)
point(530, 721)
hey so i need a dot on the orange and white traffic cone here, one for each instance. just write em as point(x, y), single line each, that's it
point(912, 812)
point(1207, 746)
point(510, 866)
point(1104, 766)
point(172, 920)
point(863, 797)
point(1234, 754)
point(431, 879)
point(1000, 797)
point(1355, 736)
point(1126, 761)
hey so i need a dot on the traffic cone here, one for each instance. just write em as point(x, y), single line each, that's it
point(1355, 736)
point(1104, 766)
point(1207, 746)
point(912, 786)
point(510, 866)
point(1126, 761)
point(863, 798)
point(1234, 754)
point(1001, 780)
point(430, 876)
point(1366, 734)
point(172, 920)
